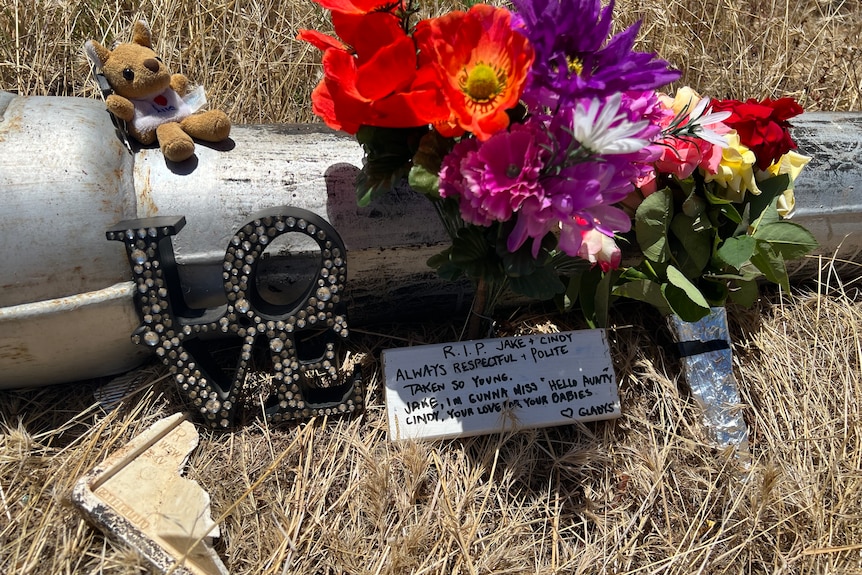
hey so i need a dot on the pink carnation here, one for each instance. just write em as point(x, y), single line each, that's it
point(493, 179)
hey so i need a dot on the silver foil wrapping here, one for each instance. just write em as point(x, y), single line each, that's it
point(707, 364)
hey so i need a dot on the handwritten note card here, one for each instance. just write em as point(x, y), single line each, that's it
point(493, 385)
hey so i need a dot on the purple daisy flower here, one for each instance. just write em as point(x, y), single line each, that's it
point(600, 149)
point(573, 59)
point(576, 201)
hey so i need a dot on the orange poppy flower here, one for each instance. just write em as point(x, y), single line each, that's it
point(482, 65)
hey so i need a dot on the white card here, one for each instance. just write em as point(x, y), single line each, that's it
point(494, 385)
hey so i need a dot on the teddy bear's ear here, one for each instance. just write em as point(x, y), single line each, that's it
point(141, 34)
point(96, 53)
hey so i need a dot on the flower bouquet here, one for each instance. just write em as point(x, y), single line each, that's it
point(549, 152)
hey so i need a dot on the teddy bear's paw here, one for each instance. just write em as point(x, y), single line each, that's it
point(176, 145)
point(221, 125)
point(121, 107)
point(179, 150)
point(209, 126)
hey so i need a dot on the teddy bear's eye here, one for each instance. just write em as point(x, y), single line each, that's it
point(129, 74)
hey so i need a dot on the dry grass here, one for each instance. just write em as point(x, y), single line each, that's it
point(245, 53)
point(807, 49)
point(643, 494)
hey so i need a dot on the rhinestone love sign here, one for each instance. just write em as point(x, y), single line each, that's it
point(302, 338)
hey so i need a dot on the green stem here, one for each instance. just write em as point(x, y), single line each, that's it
point(477, 313)
point(488, 293)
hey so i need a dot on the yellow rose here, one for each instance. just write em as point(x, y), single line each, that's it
point(685, 99)
point(791, 164)
point(735, 172)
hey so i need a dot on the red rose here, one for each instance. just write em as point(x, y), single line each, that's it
point(762, 126)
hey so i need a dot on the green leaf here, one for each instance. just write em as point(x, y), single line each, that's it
point(693, 206)
point(744, 222)
point(469, 245)
point(745, 293)
point(715, 292)
point(730, 212)
point(771, 264)
point(438, 260)
point(702, 223)
point(632, 274)
point(449, 271)
point(442, 263)
point(687, 185)
point(376, 179)
point(432, 149)
point(788, 239)
point(715, 200)
point(646, 291)
point(736, 251)
point(472, 252)
point(770, 189)
point(768, 216)
point(682, 305)
point(521, 261)
point(424, 182)
point(567, 299)
point(517, 264)
point(694, 248)
point(567, 265)
point(543, 284)
point(388, 156)
point(679, 281)
point(589, 286)
point(683, 296)
point(682, 259)
point(747, 272)
point(654, 271)
point(652, 220)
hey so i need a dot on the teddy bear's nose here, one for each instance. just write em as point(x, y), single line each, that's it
point(151, 64)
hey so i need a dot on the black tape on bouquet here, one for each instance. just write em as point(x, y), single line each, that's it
point(695, 347)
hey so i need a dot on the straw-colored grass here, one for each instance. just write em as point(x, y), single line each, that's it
point(646, 493)
point(245, 53)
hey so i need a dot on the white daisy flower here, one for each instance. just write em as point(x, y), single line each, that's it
point(602, 130)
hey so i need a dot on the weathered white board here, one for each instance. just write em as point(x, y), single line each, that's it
point(495, 385)
point(137, 495)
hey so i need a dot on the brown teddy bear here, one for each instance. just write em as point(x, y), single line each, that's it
point(155, 104)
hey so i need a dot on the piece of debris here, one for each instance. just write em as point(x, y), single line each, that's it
point(111, 394)
point(138, 496)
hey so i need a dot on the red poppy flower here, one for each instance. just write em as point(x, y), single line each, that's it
point(482, 65)
point(763, 126)
point(372, 77)
point(359, 6)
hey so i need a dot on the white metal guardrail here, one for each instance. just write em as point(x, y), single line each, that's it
point(65, 310)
